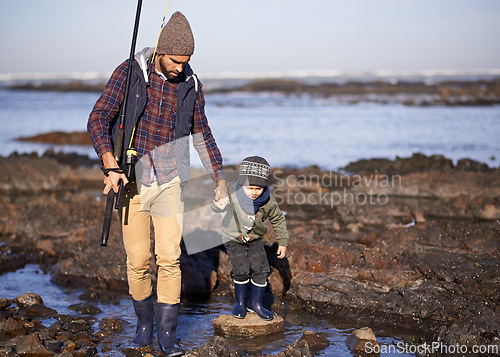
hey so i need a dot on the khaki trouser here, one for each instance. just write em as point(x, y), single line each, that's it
point(162, 206)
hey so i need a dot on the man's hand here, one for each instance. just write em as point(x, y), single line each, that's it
point(221, 195)
point(281, 252)
point(111, 181)
point(221, 191)
point(221, 203)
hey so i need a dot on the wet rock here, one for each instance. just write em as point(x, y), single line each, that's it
point(82, 338)
point(55, 327)
point(31, 345)
point(139, 352)
point(65, 354)
point(90, 294)
point(8, 352)
point(12, 327)
point(214, 347)
point(298, 348)
point(465, 333)
point(85, 352)
point(111, 324)
point(35, 325)
point(105, 297)
point(28, 299)
point(39, 310)
point(69, 346)
point(85, 309)
point(361, 340)
point(276, 283)
point(77, 326)
point(4, 303)
point(315, 341)
point(52, 344)
point(64, 319)
point(46, 246)
point(251, 325)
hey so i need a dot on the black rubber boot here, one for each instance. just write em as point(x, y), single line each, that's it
point(166, 316)
point(255, 302)
point(145, 318)
point(240, 293)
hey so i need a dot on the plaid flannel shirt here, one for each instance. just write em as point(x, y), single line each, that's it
point(155, 133)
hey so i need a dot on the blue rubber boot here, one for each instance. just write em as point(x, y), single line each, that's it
point(255, 302)
point(240, 293)
point(145, 318)
point(166, 316)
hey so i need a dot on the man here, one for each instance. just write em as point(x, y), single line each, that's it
point(164, 106)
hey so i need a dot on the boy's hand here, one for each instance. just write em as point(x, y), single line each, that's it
point(281, 252)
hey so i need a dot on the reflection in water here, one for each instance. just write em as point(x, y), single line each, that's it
point(195, 319)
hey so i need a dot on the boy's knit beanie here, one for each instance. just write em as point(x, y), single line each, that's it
point(254, 171)
point(176, 37)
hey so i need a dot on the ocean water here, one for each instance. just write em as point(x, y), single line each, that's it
point(294, 131)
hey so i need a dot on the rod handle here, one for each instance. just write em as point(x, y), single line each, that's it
point(119, 195)
point(108, 214)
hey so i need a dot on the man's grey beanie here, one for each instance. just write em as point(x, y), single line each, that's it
point(254, 171)
point(176, 38)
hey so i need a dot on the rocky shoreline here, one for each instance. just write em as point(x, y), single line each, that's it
point(408, 92)
point(410, 244)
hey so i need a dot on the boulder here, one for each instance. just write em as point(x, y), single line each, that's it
point(111, 324)
point(4, 303)
point(39, 310)
point(315, 341)
point(12, 327)
point(298, 348)
point(85, 308)
point(28, 299)
point(216, 346)
point(31, 345)
point(362, 340)
point(251, 325)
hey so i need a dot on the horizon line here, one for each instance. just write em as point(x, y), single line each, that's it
point(381, 73)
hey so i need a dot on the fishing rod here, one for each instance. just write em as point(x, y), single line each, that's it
point(161, 28)
point(118, 148)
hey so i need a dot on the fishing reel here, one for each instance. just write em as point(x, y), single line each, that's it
point(129, 163)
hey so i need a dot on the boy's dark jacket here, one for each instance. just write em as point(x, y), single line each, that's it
point(270, 210)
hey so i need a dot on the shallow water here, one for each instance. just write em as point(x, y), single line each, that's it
point(195, 320)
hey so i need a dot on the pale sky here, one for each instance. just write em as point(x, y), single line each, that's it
point(45, 36)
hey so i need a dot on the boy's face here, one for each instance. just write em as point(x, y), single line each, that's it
point(253, 191)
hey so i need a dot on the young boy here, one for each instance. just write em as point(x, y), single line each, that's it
point(251, 204)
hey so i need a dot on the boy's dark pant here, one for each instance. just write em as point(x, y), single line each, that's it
point(249, 261)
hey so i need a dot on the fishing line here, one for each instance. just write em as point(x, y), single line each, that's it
point(162, 24)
